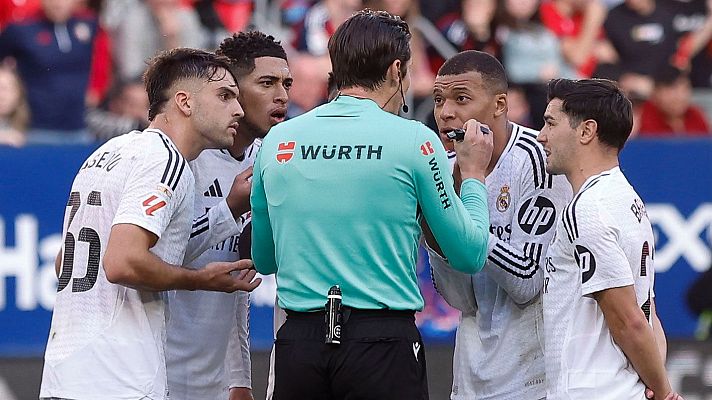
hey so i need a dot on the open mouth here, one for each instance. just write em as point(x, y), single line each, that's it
point(278, 116)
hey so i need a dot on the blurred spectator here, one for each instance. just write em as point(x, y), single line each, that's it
point(421, 76)
point(518, 110)
point(470, 28)
point(293, 12)
point(690, 19)
point(310, 66)
point(14, 110)
point(16, 10)
point(221, 18)
point(434, 10)
point(531, 54)
point(669, 112)
point(53, 51)
point(149, 27)
point(579, 26)
point(125, 109)
point(643, 30)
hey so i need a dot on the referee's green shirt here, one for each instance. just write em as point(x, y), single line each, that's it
point(336, 197)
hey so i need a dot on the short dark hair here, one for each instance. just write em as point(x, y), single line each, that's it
point(363, 47)
point(174, 65)
point(243, 48)
point(598, 99)
point(489, 68)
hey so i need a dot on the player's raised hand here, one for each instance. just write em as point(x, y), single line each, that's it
point(217, 277)
point(474, 152)
point(239, 197)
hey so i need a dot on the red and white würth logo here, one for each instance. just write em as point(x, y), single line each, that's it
point(285, 151)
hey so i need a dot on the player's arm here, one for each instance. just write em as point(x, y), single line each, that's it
point(631, 331)
point(221, 221)
point(263, 247)
point(239, 366)
point(460, 227)
point(515, 264)
point(128, 261)
point(658, 330)
point(156, 191)
point(607, 277)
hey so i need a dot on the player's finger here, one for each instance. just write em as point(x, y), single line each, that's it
point(649, 393)
point(241, 265)
point(248, 275)
point(245, 174)
point(250, 286)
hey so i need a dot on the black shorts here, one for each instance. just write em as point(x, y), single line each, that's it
point(381, 357)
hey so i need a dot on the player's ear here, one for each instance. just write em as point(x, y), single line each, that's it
point(183, 102)
point(588, 130)
point(500, 105)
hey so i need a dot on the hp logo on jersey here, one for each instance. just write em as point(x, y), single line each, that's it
point(586, 261)
point(537, 215)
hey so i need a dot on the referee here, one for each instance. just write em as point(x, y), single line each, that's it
point(336, 198)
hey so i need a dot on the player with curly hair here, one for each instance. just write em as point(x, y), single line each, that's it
point(207, 345)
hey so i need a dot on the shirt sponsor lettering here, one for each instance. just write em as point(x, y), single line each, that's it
point(439, 184)
point(342, 152)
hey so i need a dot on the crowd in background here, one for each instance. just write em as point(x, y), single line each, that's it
point(70, 70)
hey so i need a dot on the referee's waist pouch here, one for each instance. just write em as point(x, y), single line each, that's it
point(357, 325)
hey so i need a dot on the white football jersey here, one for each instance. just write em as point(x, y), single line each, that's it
point(106, 340)
point(498, 345)
point(603, 240)
point(207, 349)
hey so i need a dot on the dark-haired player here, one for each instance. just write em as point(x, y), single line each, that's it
point(207, 345)
point(498, 351)
point(126, 225)
point(603, 337)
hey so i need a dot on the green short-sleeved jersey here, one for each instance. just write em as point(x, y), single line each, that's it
point(336, 197)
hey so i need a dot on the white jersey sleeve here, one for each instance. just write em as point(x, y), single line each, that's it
point(211, 228)
point(597, 251)
point(515, 265)
point(150, 199)
point(454, 286)
point(238, 363)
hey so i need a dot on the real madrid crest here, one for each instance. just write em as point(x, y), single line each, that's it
point(503, 199)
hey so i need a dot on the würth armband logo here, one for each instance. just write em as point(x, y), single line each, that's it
point(152, 204)
point(427, 148)
point(285, 152)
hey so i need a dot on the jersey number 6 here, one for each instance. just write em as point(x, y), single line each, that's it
point(87, 235)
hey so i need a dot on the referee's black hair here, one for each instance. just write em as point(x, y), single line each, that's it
point(243, 48)
point(598, 99)
point(489, 68)
point(177, 64)
point(363, 47)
